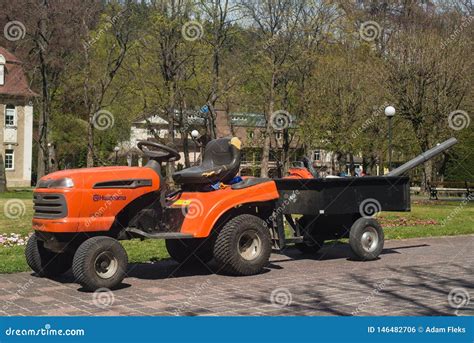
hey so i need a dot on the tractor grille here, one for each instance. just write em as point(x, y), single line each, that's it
point(49, 205)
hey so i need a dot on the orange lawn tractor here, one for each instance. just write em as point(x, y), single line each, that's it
point(80, 215)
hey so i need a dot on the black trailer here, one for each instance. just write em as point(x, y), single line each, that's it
point(318, 210)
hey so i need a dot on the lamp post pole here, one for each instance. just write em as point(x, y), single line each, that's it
point(389, 112)
point(116, 149)
point(194, 136)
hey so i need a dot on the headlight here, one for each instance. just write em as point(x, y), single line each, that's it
point(58, 183)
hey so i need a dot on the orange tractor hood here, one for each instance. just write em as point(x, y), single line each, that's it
point(88, 177)
point(95, 197)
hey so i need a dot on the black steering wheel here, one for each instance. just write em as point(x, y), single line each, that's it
point(159, 152)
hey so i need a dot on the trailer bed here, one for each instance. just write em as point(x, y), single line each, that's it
point(345, 195)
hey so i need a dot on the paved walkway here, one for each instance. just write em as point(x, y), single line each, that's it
point(412, 277)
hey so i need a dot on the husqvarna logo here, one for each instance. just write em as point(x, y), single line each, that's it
point(98, 197)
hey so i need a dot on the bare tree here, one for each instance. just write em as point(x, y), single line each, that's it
point(221, 15)
point(276, 25)
point(428, 78)
point(171, 53)
point(52, 38)
point(99, 69)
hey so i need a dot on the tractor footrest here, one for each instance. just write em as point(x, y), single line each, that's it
point(157, 235)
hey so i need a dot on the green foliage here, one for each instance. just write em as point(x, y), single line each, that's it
point(312, 63)
point(460, 165)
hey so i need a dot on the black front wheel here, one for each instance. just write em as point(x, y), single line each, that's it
point(44, 262)
point(100, 262)
point(366, 238)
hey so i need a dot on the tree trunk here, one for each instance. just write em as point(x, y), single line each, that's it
point(90, 143)
point(52, 161)
point(286, 151)
point(43, 153)
point(427, 174)
point(170, 139)
point(212, 115)
point(187, 162)
point(268, 131)
point(351, 165)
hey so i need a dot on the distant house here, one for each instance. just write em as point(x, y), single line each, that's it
point(249, 127)
point(16, 121)
point(149, 127)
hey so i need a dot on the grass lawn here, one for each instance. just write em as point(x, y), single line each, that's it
point(435, 218)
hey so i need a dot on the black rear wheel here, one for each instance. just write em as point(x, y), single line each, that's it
point(243, 246)
point(366, 238)
point(44, 262)
point(100, 262)
point(192, 250)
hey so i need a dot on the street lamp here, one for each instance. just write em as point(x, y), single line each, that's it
point(389, 112)
point(116, 149)
point(194, 136)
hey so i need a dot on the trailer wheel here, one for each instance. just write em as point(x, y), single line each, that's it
point(44, 262)
point(189, 250)
point(366, 238)
point(243, 246)
point(100, 262)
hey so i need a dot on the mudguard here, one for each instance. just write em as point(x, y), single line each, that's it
point(203, 209)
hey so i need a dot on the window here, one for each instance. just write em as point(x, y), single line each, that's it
point(10, 114)
point(9, 159)
point(317, 155)
point(250, 134)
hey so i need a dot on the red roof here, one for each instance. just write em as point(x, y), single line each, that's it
point(15, 83)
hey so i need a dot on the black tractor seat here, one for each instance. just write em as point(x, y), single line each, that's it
point(220, 163)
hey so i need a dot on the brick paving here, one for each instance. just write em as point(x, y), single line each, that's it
point(412, 277)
